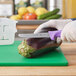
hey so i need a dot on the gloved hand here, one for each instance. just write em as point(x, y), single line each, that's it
point(69, 32)
point(54, 25)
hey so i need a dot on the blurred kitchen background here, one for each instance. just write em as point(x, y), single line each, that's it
point(11, 6)
point(26, 12)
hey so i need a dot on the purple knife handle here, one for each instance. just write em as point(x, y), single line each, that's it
point(54, 34)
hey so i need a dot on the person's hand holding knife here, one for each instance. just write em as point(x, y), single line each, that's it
point(68, 28)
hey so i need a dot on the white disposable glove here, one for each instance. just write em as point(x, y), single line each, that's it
point(55, 24)
point(69, 32)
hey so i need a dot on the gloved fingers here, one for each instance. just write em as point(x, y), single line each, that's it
point(69, 32)
point(73, 35)
point(48, 24)
point(68, 35)
point(72, 31)
point(63, 37)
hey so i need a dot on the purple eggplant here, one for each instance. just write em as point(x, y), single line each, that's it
point(33, 47)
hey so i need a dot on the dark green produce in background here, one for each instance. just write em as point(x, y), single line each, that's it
point(51, 13)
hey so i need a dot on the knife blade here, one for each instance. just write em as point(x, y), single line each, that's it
point(51, 34)
point(39, 35)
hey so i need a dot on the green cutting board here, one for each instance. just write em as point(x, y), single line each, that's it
point(9, 57)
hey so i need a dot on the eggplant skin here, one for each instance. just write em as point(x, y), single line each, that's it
point(34, 47)
point(38, 43)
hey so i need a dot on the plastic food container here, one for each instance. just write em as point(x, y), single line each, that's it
point(7, 31)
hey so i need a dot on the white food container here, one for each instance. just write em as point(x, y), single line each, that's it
point(7, 31)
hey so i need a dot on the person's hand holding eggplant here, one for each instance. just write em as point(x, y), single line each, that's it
point(69, 32)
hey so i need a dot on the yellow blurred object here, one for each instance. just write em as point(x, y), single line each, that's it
point(14, 17)
point(19, 17)
point(63, 13)
point(22, 11)
point(69, 8)
point(31, 9)
point(39, 11)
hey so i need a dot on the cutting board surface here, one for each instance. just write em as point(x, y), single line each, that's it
point(9, 57)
